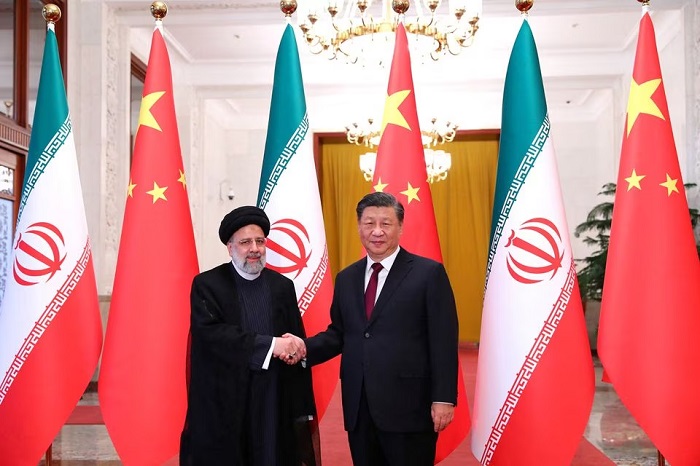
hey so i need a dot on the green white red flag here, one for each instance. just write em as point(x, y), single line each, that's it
point(289, 194)
point(535, 379)
point(50, 326)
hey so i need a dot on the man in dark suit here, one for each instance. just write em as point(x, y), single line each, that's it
point(397, 331)
point(245, 407)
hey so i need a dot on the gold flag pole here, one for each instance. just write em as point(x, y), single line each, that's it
point(51, 14)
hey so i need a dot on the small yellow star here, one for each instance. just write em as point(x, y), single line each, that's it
point(670, 184)
point(411, 193)
point(146, 118)
point(157, 192)
point(392, 114)
point(379, 187)
point(182, 179)
point(640, 101)
point(633, 180)
point(130, 188)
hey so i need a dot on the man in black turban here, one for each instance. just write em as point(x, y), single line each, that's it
point(240, 217)
point(245, 405)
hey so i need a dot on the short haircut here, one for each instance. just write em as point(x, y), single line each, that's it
point(379, 199)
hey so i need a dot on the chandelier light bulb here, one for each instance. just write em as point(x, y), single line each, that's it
point(362, 31)
point(437, 162)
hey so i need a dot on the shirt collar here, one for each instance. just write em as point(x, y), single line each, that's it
point(387, 262)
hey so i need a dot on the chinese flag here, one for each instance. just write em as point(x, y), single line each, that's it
point(142, 386)
point(400, 170)
point(650, 317)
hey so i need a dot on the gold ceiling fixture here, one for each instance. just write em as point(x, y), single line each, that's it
point(358, 31)
point(437, 161)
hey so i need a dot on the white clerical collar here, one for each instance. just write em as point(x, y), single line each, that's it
point(246, 275)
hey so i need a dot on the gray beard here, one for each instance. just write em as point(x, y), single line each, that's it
point(250, 267)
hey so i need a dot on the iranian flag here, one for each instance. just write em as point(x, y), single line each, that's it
point(296, 246)
point(534, 381)
point(50, 327)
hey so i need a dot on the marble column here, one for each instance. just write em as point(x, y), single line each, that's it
point(692, 61)
point(98, 91)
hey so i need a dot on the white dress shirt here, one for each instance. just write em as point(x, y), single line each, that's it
point(387, 263)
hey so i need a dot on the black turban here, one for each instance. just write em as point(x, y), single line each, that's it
point(240, 217)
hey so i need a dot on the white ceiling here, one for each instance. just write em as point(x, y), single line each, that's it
point(226, 50)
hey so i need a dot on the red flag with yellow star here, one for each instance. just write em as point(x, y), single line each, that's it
point(400, 170)
point(650, 315)
point(142, 387)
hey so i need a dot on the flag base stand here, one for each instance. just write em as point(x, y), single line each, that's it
point(81, 415)
point(49, 456)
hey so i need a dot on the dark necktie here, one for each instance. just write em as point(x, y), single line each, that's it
point(371, 291)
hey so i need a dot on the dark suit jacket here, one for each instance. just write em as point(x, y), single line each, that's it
point(405, 355)
point(222, 359)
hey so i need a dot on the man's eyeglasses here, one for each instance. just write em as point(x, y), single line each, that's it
point(248, 242)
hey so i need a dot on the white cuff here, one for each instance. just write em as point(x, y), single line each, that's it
point(268, 358)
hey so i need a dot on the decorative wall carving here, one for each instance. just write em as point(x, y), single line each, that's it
point(203, 6)
point(195, 190)
point(112, 213)
point(14, 135)
point(693, 61)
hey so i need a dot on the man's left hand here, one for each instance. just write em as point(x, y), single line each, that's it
point(442, 414)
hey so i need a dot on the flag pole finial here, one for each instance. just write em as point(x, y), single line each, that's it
point(645, 6)
point(524, 6)
point(288, 7)
point(51, 13)
point(400, 7)
point(159, 10)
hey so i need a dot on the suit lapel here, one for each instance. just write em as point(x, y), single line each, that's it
point(357, 282)
point(402, 265)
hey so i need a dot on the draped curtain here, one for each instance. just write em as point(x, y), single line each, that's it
point(463, 205)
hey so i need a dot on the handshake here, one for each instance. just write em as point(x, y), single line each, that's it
point(290, 349)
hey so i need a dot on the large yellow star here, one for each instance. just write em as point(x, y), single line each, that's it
point(633, 180)
point(130, 188)
point(392, 114)
point(146, 118)
point(640, 101)
point(379, 187)
point(411, 193)
point(670, 184)
point(182, 179)
point(157, 192)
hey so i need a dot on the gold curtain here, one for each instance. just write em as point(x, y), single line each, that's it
point(463, 204)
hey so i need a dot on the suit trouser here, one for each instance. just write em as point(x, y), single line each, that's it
point(370, 446)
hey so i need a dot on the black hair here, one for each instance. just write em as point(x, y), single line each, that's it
point(379, 199)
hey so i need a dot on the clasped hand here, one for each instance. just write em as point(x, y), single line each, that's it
point(289, 348)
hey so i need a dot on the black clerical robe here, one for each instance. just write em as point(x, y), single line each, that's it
point(222, 376)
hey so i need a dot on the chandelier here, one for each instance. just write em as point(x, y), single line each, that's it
point(437, 162)
point(358, 31)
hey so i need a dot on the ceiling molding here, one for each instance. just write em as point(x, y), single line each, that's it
point(226, 50)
